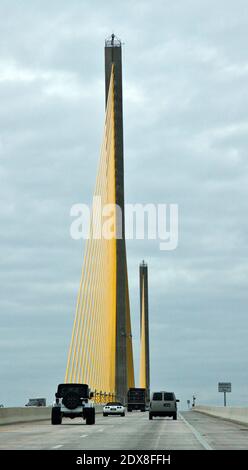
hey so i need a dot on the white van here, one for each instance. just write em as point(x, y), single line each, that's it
point(163, 404)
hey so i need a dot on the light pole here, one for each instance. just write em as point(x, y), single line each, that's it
point(194, 399)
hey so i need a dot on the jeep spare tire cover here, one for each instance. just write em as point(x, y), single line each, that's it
point(71, 400)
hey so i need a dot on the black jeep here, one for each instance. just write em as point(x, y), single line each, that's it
point(72, 401)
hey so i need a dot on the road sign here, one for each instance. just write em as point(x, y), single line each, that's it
point(225, 387)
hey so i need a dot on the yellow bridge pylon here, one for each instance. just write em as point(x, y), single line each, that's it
point(92, 357)
point(144, 330)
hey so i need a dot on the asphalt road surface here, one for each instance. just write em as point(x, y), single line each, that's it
point(192, 430)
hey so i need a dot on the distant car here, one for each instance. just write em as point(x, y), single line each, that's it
point(36, 402)
point(72, 401)
point(163, 404)
point(114, 408)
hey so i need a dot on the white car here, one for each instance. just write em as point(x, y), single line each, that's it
point(114, 408)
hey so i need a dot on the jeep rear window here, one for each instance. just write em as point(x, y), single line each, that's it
point(82, 390)
point(169, 397)
point(157, 397)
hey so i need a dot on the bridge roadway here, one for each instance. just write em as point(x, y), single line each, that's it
point(194, 431)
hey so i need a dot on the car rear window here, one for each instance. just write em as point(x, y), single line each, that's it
point(114, 403)
point(157, 396)
point(169, 397)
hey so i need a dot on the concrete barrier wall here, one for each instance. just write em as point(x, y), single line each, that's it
point(18, 415)
point(231, 413)
point(23, 415)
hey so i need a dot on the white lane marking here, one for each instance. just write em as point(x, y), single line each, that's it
point(84, 435)
point(198, 436)
point(157, 441)
point(57, 447)
point(100, 430)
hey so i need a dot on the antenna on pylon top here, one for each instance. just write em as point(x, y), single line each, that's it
point(113, 41)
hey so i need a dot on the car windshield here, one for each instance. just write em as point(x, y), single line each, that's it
point(114, 403)
point(157, 396)
point(169, 396)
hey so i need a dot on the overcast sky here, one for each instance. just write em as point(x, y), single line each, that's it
point(185, 77)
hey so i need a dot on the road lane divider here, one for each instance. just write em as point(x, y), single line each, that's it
point(198, 436)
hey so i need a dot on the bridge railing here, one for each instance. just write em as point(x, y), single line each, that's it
point(103, 397)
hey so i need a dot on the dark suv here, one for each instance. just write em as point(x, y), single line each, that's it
point(72, 401)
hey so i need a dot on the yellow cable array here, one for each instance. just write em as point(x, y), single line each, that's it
point(92, 352)
point(130, 367)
